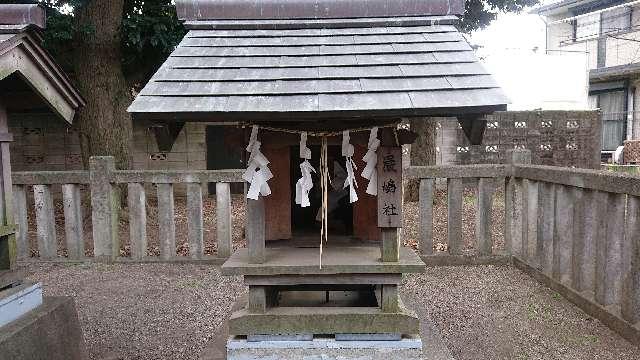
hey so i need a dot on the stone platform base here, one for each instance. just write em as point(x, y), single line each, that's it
point(325, 349)
point(17, 301)
point(51, 332)
point(433, 346)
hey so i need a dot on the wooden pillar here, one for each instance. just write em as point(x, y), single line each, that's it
point(390, 298)
point(8, 238)
point(390, 245)
point(277, 206)
point(365, 208)
point(257, 301)
point(390, 200)
point(255, 230)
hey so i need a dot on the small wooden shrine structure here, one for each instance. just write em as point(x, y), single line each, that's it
point(296, 74)
point(30, 80)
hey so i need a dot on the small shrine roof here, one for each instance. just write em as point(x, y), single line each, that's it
point(21, 53)
point(401, 63)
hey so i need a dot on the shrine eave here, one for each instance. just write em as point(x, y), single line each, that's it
point(22, 54)
point(231, 70)
point(392, 115)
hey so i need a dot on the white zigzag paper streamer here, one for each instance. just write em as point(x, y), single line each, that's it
point(257, 173)
point(347, 152)
point(305, 183)
point(370, 171)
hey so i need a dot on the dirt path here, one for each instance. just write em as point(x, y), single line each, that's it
point(170, 311)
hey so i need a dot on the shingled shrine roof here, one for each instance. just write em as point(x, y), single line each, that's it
point(272, 63)
point(27, 71)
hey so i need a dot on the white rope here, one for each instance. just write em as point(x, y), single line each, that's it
point(305, 183)
point(321, 133)
point(347, 152)
point(371, 159)
point(324, 185)
point(257, 173)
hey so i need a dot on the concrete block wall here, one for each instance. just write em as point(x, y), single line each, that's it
point(43, 142)
point(558, 138)
point(188, 152)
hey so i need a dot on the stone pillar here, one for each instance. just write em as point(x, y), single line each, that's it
point(516, 222)
point(104, 208)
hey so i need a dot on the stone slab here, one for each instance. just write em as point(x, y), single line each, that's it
point(50, 332)
point(293, 337)
point(335, 260)
point(336, 279)
point(368, 337)
point(433, 346)
point(323, 320)
point(325, 349)
point(17, 301)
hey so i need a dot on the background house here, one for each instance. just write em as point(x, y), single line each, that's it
point(608, 33)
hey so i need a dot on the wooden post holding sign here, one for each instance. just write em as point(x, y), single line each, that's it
point(390, 200)
point(390, 187)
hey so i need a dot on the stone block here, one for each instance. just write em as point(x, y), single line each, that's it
point(323, 320)
point(324, 349)
point(369, 337)
point(335, 260)
point(18, 301)
point(50, 332)
point(294, 337)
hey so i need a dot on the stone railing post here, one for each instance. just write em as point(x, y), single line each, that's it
point(515, 201)
point(104, 208)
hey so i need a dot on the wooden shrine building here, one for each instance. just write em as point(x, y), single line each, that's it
point(30, 80)
point(296, 74)
point(31, 325)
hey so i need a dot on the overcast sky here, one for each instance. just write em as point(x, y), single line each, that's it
point(513, 50)
point(511, 31)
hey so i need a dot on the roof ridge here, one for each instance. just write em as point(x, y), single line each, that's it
point(312, 9)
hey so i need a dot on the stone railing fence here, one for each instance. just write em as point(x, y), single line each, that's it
point(576, 231)
point(103, 183)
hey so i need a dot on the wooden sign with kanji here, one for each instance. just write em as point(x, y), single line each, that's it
point(389, 187)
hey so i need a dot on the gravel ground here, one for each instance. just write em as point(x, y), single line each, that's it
point(170, 311)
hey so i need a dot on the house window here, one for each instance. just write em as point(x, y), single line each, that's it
point(613, 106)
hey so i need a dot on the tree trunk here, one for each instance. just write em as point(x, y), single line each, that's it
point(423, 151)
point(104, 125)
